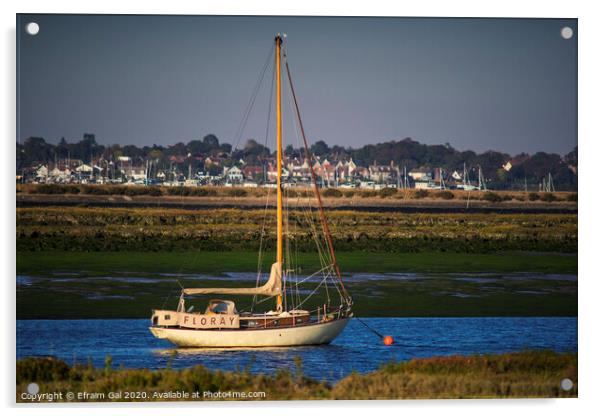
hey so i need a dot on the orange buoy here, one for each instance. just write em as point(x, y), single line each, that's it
point(388, 340)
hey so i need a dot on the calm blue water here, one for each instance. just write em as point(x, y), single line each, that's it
point(129, 343)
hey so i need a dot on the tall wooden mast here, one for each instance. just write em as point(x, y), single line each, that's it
point(279, 231)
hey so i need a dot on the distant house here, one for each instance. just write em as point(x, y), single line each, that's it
point(345, 171)
point(42, 172)
point(134, 173)
point(382, 173)
point(252, 172)
point(421, 174)
point(362, 172)
point(324, 170)
point(273, 173)
point(299, 170)
point(423, 184)
point(233, 174)
point(60, 175)
point(83, 168)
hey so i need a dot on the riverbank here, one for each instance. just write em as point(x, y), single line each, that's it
point(514, 375)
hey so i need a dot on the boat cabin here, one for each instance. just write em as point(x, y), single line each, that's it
point(221, 307)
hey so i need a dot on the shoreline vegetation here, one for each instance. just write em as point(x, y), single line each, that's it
point(222, 229)
point(209, 197)
point(525, 374)
point(492, 196)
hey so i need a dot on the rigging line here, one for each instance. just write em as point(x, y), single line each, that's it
point(270, 100)
point(315, 234)
point(309, 216)
point(336, 286)
point(307, 212)
point(286, 248)
point(267, 199)
point(262, 235)
point(261, 239)
point(322, 252)
point(321, 208)
point(265, 299)
point(311, 294)
point(298, 265)
point(310, 276)
point(251, 103)
point(324, 263)
point(294, 293)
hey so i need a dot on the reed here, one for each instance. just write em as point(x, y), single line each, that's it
point(513, 375)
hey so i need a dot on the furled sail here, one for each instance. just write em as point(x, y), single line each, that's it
point(272, 287)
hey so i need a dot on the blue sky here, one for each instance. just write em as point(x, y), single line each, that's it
point(501, 84)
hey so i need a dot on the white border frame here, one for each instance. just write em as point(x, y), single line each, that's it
point(590, 70)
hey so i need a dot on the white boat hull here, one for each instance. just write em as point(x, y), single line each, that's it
point(313, 334)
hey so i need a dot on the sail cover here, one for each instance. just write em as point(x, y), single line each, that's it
point(272, 287)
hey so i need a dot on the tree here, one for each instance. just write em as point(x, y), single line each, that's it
point(36, 150)
point(254, 152)
point(196, 147)
point(571, 157)
point(133, 151)
point(211, 142)
point(62, 149)
point(320, 148)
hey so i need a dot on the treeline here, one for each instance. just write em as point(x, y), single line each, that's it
point(412, 154)
point(407, 152)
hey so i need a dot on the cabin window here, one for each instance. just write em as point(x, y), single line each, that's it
point(155, 320)
point(276, 323)
point(167, 317)
point(219, 308)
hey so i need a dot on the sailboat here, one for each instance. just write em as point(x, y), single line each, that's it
point(221, 325)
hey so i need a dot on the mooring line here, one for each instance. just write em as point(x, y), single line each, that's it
point(371, 329)
point(381, 336)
